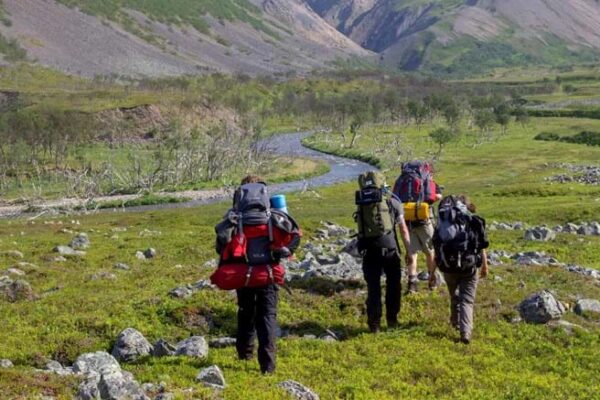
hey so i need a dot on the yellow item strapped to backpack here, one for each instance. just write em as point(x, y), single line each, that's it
point(416, 211)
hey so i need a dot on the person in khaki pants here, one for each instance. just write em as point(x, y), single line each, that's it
point(461, 268)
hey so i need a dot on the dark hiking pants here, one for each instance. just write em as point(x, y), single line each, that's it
point(376, 262)
point(462, 288)
point(257, 316)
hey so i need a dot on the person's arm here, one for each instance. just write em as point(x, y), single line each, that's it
point(404, 235)
point(484, 266)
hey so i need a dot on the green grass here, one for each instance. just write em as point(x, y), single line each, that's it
point(420, 360)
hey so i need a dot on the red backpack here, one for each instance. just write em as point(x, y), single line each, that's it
point(415, 184)
point(249, 240)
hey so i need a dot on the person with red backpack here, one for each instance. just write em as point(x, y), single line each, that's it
point(252, 240)
point(418, 192)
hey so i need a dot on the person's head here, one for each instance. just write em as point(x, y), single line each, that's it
point(467, 202)
point(252, 179)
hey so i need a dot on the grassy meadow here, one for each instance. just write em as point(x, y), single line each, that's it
point(420, 360)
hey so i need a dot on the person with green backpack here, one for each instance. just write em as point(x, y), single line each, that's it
point(377, 215)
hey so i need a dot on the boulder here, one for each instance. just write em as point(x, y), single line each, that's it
point(194, 346)
point(104, 379)
point(541, 308)
point(298, 391)
point(328, 259)
point(67, 251)
point(542, 234)
point(131, 345)
point(585, 306)
point(140, 255)
point(564, 325)
point(15, 272)
point(165, 396)
point(99, 363)
point(80, 242)
point(212, 377)
point(4, 363)
point(162, 348)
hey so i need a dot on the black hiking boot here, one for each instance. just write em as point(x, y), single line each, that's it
point(465, 339)
point(374, 327)
point(413, 287)
point(392, 323)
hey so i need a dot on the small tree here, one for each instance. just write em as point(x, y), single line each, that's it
point(442, 136)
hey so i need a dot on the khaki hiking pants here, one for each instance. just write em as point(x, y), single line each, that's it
point(462, 288)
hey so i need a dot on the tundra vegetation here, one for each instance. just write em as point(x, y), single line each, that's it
point(482, 135)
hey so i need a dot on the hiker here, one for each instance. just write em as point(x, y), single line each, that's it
point(251, 241)
point(460, 241)
point(418, 191)
point(378, 213)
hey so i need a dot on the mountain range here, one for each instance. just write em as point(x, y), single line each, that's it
point(174, 37)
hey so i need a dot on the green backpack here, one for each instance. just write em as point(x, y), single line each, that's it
point(372, 213)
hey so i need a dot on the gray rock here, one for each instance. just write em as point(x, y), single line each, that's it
point(13, 254)
point(140, 255)
point(18, 290)
point(121, 385)
point(122, 266)
point(220, 343)
point(328, 259)
point(585, 230)
point(585, 306)
point(564, 325)
point(570, 228)
point(181, 292)
point(162, 348)
point(298, 391)
point(334, 230)
point(352, 248)
point(57, 368)
point(202, 284)
point(150, 253)
point(103, 275)
point(88, 389)
point(104, 379)
point(15, 271)
point(211, 264)
point(80, 242)
point(131, 345)
point(67, 251)
point(165, 396)
point(540, 234)
point(541, 308)
point(194, 346)
point(212, 377)
point(4, 363)
point(99, 363)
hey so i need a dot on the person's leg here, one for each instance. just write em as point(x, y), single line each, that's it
point(393, 291)
point(467, 288)
point(372, 267)
point(246, 316)
point(266, 327)
point(411, 267)
point(452, 282)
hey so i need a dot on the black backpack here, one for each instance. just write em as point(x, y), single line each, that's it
point(459, 237)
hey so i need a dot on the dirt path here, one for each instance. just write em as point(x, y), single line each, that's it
point(341, 170)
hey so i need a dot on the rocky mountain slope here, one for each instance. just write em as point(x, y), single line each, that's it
point(137, 39)
point(151, 38)
point(444, 35)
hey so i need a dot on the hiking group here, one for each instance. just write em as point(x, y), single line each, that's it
point(257, 232)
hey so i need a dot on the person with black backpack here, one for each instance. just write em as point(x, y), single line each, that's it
point(377, 215)
point(460, 241)
point(417, 190)
point(252, 239)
